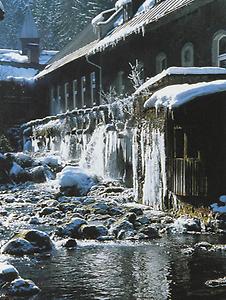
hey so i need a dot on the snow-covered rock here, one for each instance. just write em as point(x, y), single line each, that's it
point(28, 242)
point(185, 224)
point(23, 159)
point(18, 174)
point(22, 288)
point(8, 272)
point(72, 228)
point(78, 181)
point(54, 162)
point(18, 246)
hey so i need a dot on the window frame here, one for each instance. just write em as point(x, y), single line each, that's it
point(160, 58)
point(187, 47)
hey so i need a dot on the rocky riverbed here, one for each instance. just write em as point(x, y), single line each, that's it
point(46, 206)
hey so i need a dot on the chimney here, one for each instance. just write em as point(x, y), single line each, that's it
point(29, 35)
point(33, 53)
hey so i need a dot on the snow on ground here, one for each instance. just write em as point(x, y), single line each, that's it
point(180, 71)
point(9, 72)
point(177, 95)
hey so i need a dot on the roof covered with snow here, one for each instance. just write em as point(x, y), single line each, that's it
point(9, 55)
point(29, 29)
point(179, 71)
point(10, 72)
point(149, 15)
point(87, 43)
point(14, 65)
point(177, 95)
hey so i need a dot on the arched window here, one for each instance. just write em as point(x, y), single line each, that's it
point(219, 49)
point(187, 55)
point(161, 62)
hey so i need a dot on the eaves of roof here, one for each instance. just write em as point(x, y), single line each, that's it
point(67, 59)
point(137, 25)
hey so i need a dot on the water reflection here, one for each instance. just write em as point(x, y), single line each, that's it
point(158, 271)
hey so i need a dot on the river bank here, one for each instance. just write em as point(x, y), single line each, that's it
point(104, 220)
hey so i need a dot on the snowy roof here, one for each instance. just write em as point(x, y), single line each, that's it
point(149, 16)
point(66, 59)
point(9, 72)
point(180, 71)
point(29, 29)
point(9, 55)
point(177, 95)
point(87, 43)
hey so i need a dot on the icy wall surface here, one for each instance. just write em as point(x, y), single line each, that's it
point(110, 141)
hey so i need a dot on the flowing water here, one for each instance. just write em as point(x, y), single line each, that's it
point(158, 270)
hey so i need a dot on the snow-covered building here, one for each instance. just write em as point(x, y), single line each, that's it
point(184, 109)
point(17, 69)
point(154, 34)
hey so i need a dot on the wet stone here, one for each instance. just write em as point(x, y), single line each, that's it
point(21, 287)
point(8, 272)
point(69, 243)
point(150, 231)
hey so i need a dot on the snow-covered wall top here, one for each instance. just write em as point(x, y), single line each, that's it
point(179, 71)
point(176, 95)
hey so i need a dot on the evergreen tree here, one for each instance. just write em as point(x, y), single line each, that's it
point(58, 21)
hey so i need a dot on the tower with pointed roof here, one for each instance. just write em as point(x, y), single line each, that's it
point(29, 37)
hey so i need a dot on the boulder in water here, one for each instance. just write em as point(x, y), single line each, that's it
point(28, 242)
point(72, 228)
point(8, 272)
point(23, 288)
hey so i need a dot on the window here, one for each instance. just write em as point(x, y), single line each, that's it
point(161, 62)
point(59, 100)
point(187, 55)
point(52, 100)
point(66, 96)
point(120, 87)
point(219, 49)
point(83, 90)
point(75, 93)
point(93, 87)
